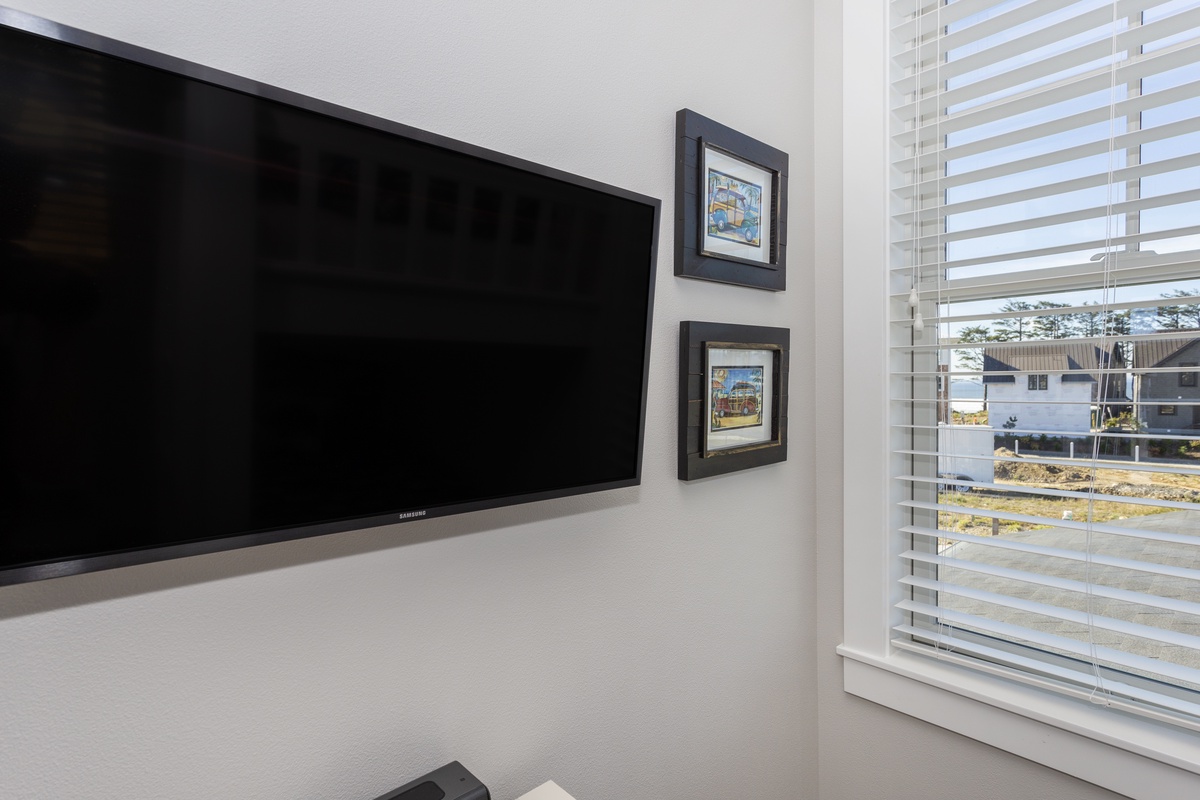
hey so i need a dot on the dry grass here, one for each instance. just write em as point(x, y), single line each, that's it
point(1033, 474)
point(1051, 508)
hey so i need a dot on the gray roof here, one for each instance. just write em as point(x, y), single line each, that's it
point(1036, 362)
point(1165, 351)
point(1066, 357)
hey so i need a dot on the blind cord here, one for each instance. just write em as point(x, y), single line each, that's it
point(1100, 695)
point(941, 406)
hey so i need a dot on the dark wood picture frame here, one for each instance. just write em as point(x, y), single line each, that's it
point(698, 458)
point(696, 135)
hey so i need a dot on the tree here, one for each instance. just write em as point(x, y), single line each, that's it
point(1167, 318)
point(1116, 323)
point(753, 196)
point(1101, 322)
point(1090, 323)
point(1053, 326)
point(1017, 328)
point(972, 358)
point(1178, 316)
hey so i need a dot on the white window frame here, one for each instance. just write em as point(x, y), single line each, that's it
point(1136, 757)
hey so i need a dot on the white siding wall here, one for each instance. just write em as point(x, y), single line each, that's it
point(957, 444)
point(1062, 406)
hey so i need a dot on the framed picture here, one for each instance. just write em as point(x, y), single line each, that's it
point(731, 205)
point(732, 397)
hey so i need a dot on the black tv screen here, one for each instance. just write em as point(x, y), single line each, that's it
point(231, 315)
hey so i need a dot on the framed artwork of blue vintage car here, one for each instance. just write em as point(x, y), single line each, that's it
point(734, 204)
point(731, 201)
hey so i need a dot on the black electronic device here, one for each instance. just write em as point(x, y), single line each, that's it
point(233, 315)
point(451, 782)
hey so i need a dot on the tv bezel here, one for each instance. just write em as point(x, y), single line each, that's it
point(48, 29)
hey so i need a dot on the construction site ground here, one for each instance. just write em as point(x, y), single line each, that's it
point(1112, 478)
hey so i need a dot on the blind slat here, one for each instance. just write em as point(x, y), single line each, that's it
point(1138, 138)
point(1052, 641)
point(1062, 218)
point(1076, 525)
point(1127, 269)
point(937, 13)
point(930, 213)
point(1011, 488)
point(1056, 582)
point(1128, 466)
point(941, 14)
point(965, 35)
point(1029, 670)
point(1102, 47)
point(1098, 559)
point(1088, 369)
point(1130, 108)
point(1101, 434)
point(1044, 152)
point(1072, 247)
point(1081, 618)
point(946, 19)
point(912, 115)
point(1033, 313)
point(1039, 101)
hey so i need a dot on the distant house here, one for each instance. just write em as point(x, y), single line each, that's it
point(1051, 386)
point(1163, 394)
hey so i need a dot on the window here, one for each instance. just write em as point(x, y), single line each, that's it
point(1047, 207)
point(1187, 378)
point(1045, 154)
point(1166, 411)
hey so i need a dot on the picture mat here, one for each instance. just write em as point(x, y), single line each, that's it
point(743, 171)
point(731, 438)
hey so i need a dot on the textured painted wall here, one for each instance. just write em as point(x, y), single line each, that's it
point(652, 643)
point(659, 642)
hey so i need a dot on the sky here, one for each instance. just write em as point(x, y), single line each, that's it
point(1100, 226)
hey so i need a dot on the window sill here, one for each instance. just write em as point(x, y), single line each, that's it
point(1134, 757)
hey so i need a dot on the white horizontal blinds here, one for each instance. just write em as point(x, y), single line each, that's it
point(1021, 99)
point(1045, 360)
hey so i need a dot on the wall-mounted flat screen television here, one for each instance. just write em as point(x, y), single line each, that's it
point(232, 315)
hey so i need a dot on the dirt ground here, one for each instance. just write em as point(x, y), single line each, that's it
point(1110, 478)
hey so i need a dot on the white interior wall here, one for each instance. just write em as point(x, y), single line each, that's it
point(648, 642)
point(659, 642)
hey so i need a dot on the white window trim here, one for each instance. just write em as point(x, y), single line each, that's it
point(1135, 757)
